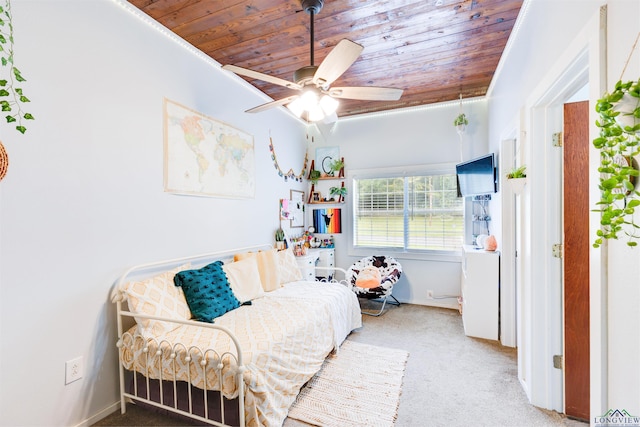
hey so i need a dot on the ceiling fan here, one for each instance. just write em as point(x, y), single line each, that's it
point(317, 100)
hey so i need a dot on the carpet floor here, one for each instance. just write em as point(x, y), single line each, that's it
point(450, 379)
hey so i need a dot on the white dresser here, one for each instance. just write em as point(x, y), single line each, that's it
point(480, 286)
point(307, 264)
point(325, 259)
point(321, 257)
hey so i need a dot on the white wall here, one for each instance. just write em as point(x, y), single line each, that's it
point(83, 198)
point(623, 281)
point(548, 30)
point(410, 137)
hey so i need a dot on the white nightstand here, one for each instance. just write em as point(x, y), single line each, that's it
point(307, 264)
point(325, 259)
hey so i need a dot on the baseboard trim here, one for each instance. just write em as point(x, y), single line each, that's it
point(451, 303)
point(100, 415)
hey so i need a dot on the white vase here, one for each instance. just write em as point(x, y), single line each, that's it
point(626, 106)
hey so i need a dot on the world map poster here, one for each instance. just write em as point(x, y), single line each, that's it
point(206, 157)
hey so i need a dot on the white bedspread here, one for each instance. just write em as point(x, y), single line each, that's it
point(284, 336)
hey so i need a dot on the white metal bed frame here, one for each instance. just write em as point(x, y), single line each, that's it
point(118, 298)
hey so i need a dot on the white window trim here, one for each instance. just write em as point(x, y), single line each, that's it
point(395, 172)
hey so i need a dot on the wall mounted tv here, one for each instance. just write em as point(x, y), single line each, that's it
point(477, 176)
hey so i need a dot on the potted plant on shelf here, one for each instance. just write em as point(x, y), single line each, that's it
point(335, 167)
point(314, 175)
point(618, 144)
point(340, 192)
point(517, 178)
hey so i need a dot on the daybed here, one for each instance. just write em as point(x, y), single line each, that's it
point(193, 368)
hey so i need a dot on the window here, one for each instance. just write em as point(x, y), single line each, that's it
point(408, 213)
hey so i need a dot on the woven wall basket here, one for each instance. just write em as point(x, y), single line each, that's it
point(4, 161)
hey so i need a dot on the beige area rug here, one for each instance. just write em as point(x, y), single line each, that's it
point(358, 386)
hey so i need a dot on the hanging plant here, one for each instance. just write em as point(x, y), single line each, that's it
point(519, 172)
point(12, 97)
point(619, 144)
point(461, 120)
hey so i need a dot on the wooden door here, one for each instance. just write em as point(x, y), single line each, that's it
point(576, 259)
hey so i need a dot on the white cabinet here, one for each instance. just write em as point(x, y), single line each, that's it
point(480, 286)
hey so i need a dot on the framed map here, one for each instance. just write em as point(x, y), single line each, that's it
point(206, 157)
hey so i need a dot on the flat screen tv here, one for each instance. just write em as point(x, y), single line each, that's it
point(477, 177)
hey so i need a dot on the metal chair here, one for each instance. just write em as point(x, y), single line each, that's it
point(390, 271)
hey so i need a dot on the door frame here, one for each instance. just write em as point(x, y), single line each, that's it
point(584, 62)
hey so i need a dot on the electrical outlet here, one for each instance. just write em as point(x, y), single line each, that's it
point(430, 294)
point(73, 370)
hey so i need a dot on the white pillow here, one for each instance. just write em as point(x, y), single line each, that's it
point(244, 279)
point(267, 267)
point(289, 270)
point(158, 296)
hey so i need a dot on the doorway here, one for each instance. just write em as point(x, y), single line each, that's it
point(540, 309)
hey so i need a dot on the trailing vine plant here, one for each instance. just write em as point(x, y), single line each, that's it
point(12, 97)
point(618, 143)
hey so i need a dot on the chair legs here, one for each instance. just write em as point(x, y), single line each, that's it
point(384, 302)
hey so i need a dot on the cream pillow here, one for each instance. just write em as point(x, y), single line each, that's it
point(244, 279)
point(267, 266)
point(289, 270)
point(157, 296)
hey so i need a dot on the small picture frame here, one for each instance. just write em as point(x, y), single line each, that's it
point(296, 205)
point(315, 197)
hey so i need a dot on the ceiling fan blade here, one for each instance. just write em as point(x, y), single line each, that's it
point(337, 62)
point(260, 76)
point(368, 93)
point(272, 104)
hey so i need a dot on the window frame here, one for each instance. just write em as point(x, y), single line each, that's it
point(399, 172)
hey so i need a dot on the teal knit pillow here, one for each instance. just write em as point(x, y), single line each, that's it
point(207, 291)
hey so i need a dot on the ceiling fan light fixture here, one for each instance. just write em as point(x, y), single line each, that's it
point(315, 113)
point(328, 104)
point(296, 107)
point(309, 99)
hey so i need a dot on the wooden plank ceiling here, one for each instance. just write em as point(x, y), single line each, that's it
point(435, 50)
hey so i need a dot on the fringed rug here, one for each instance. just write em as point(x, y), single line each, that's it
point(358, 386)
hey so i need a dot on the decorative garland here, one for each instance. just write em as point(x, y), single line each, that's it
point(290, 174)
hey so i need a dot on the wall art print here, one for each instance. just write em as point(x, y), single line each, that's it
point(206, 157)
point(327, 221)
point(324, 157)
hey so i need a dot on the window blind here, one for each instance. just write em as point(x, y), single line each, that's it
point(416, 213)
